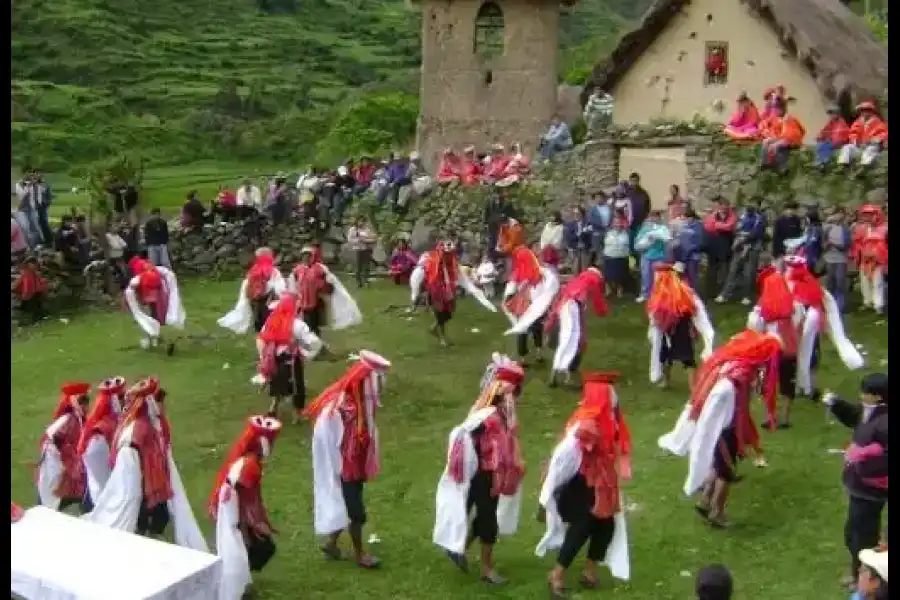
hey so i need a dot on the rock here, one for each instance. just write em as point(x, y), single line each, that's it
point(420, 239)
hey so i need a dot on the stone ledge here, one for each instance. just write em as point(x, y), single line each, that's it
point(654, 142)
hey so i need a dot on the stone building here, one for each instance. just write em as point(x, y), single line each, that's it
point(488, 72)
point(819, 50)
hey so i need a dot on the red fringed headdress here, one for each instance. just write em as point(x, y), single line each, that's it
point(351, 384)
point(740, 359)
point(525, 267)
point(804, 285)
point(258, 437)
point(70, 394)
point(314, 251)
point(263, 264)
point(671, 299)
point(589, 284)
point(503, 374)
point(149, 278)
point(111, 390)
point(137, 399)
point(279, 326)
point(775, 300)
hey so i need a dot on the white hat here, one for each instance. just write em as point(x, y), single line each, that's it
point(343, 171)
point(413, 155)
point(678, 267)
point(876, 561)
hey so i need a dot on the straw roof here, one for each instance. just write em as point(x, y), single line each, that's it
point(834, 44)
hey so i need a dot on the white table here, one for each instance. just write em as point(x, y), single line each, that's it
point(58, 557)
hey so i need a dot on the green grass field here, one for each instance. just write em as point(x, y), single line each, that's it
point(786, 541)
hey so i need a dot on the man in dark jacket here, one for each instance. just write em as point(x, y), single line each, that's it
point(640, 207)
point(787, 226)
point(156, 238)
point(865, 475)
point(747, 245)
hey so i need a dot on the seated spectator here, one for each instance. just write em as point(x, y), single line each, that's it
point(557, 139)
point(470, 168)
point(552, 243)
point(495, 166)
point(342, 196)
point(225, 204)
point(420, 182)
point(518, 167)
point(193, 214)
point(403, 261)
point(772, 97)
point(249, 200)
point(598, 112)
point(31, 289)
point(744, 123)
point(781, 133)
point(396, 176)
point(833, 136)
point(868, 137)
point(362, 175)
point(68, 243)
point(450, 170)
point(714, 582)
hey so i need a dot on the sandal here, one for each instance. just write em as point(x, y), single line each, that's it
point(588, 583)
point(331, 552)
point(460, 560)
point(368, 562)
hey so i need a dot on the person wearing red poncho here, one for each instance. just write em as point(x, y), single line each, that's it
point(777, 312)
point(285, 343)
point(152, 297)
point(484, 472)
point(869, 250)
point(98, 431)
point(323, 300)
point(439, 273)
point(716, 428)
point(144, 491)
point(243, 530)
point(530, 286)
point(566, 319)
point(346, 454)
point(676, 313)
point(820, 314)
point(60, 477)
point(580, 499)
point(262, 286)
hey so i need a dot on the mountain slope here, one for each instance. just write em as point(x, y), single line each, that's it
point(202, 79)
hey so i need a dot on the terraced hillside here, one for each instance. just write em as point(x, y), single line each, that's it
point(201, 79)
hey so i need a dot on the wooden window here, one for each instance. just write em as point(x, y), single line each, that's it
point(715, 66)
point(490, 38)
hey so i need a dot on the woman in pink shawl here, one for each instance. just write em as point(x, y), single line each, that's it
point(744, 123)
point(403, 261)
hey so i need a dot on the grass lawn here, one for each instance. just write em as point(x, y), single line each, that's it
point(786, 541)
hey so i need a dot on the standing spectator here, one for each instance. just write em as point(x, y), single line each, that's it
point(28, 211)
point(43, 198)
point(865, 475)
point(115, 253)
point(30, 288)
point(362, 240)
point(551, 244)
point(598, 112)
point(677, 203)
point(652, 242)
point(577, 234)
point(193, 214)
point(557, 139)
point(248, 196)
point(747, 246)
point(156, 237)
point(496, 212)
point(280, 201)
point(688, 247)
point(600, 215)
point(836, 245)
point(811, 248)
point(873, 575)
point(787, 226)
point(67, 242)
point(640, 207)
point(19, 244)
point(616, 253)
point(719, 226)
point(714, 582)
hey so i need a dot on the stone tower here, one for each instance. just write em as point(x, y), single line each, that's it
point(488, 73)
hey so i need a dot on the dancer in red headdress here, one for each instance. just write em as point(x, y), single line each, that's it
point(439, 273)
point(820, 313)
point(243, 530)
point(144, 491)
point(580, 498)
point(322, 298)
point(153, 299)
point(261, 287)
point(676, 312)
point(777, 312)
point(568, 315)
point(98, 431)
point(285, 343)
point(345, 453)
point(716, 427)
point(869, 251)
point(60, 474)
point(484, 472)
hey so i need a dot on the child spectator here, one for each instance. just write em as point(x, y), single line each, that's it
point(30, 288)
point(616, 253)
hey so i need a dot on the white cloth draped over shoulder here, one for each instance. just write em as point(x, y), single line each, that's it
point(343, 312)
point(240, 318)
point(564, 466)
point(569, 339)
point(51, 467)
point(229, 540)
point(834, 327)
point(175, 315)
point(417, 280)
point(704, 328)
point(308, 342)
point(451, 526)
point(698, 439)
point(757, 323)
point(329, 509)
point(541, 296)
point(120, 501)
point(96, 464)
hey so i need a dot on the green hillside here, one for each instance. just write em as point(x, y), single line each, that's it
point(237, 79)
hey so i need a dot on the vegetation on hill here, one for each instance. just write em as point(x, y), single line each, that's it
point(181, 81)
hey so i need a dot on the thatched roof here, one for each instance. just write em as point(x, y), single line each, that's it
point(833, 43)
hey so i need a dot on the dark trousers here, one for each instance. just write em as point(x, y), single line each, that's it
point(44, 222)
point(34, 307)
point(536, 332)
point(261, 311)
point(314, 318)
point(353, 500)
point(153, 521)
point(862, 528)
point(836, 282)
point(575, 501)
point(484, 525)
point(363, 266)
point(260, 550)
point(716, 271)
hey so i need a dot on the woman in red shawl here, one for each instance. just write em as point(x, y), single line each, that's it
point(30, 289)
point(60, 475)
point(580, 499)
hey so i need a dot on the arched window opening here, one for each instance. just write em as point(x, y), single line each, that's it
point(490, 37)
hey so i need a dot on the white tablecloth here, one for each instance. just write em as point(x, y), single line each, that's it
point(58, 557)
